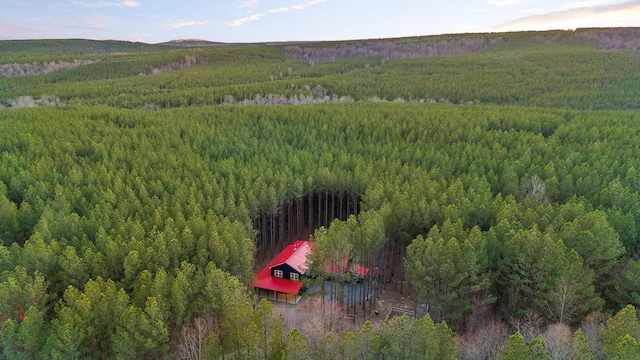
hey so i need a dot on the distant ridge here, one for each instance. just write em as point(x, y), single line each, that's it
point(203, 43)
point(192, 43)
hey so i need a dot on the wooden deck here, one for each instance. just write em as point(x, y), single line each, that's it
point(278, 296)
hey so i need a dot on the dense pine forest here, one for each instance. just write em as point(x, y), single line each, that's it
point(492, 178)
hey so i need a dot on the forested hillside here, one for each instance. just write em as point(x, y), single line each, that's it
point(493, 177)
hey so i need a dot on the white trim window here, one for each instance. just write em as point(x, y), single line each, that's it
point(278, 273)
point(294, 276)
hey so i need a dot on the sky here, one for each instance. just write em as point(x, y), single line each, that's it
point(154, 21)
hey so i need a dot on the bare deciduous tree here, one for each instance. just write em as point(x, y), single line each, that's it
point(180, 64)
point(30, 69)
point(315, 320)
point(29, 102)
point(393, 49)
point(611, 39)
point(591, 329)
point(195, 337)
point(535, 188)
point(529, 327)
point(486, 342)
point(563, 302)
point(559, 340)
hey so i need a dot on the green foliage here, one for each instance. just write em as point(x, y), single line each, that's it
point(359, 343)
point(119, 226)
point(328, 349)
point(621, 334)
point(444, 272)
point(517, 349)
point(573, 296)
point(24, 338)
point(405, 338)
point(529, 268)
point(271, 329)
point(594, 240)
point(23, 306)
point(25, 51)
point(627, 348)
point(91, 206)
point(102, 319)
point(627, 286)
point(511, 70)
point(296, 346)
point(581, 346)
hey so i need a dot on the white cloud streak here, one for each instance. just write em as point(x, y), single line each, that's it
point(184, 23)
point(307, 4)
point(585, 3)
point(138, 37)
point(250, 3)
point(123, 3)
point(507, 2)
point(239, 22)
point(279, 10)
point(580, 15)
point(256, 17)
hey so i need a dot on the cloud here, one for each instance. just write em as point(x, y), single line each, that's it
point(585, 3)
point(307, 4)
point(127, 3)
point(279, 10)
point(506, 2)
point(256, 17)
point(138, 37)
point(123, 3)
point(239, 22)
point(250, 3)
point(184, 23)
point(594, 16)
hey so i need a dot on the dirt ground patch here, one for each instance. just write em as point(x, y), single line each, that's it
point(391, 303)
point(315, 318)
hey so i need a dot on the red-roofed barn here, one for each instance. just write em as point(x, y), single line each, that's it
point(281, 279)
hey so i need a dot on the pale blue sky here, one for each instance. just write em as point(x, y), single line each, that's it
point(154, 21)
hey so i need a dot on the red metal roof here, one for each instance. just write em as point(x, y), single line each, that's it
point(359, 270)
point(269, 282)
point(336, 266)
point(295, 255)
